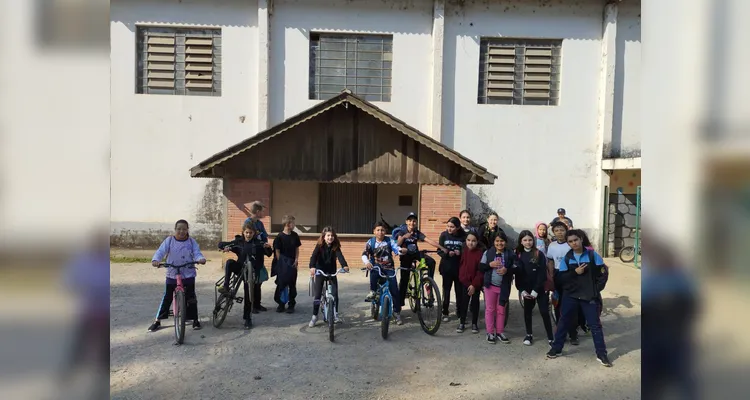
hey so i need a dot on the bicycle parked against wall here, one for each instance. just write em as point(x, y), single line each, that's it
point(327, 301)
point(179, 308)
point(382, 303)
point(627, 253)
point(424, 295)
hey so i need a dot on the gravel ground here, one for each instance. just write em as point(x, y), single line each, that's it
point(281, 358)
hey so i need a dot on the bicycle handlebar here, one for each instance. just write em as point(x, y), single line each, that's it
point(377, 267)
point(340, 271)
point(190, 264)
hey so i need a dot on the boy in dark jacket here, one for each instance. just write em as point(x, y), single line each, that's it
point(583, 275)
point(531, 275)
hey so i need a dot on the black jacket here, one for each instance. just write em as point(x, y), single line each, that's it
point(531, 272)
point(487, 236)
point(589, 284)
point(254, 250)
point(324, 259)
point(485, 267)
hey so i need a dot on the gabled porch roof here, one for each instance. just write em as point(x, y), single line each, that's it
point(333, 142)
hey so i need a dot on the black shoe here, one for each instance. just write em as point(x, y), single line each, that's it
point(248, 324)
point(290, 309)
point(223, 290)
point(528, 340)
point(585, 329)
point(574, 341)
point(280, 308)
point(154, 327)
point(503, 339)
point(603, 360)
point(491, 339)
point(261, 308)
point(474, 328)
point(255, 311)
point(549, 342)
point(196, 325)
point(461, 328)
point(551, 354)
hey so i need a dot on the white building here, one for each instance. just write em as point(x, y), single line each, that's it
point(551, 135)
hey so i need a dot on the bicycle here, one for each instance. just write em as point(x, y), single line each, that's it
point(382, 303)
point(627, 253)
point(328, 302)
point(179, 308)
point(223, 302)
point(424, 294)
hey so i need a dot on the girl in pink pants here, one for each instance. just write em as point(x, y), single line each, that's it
point(498, 267)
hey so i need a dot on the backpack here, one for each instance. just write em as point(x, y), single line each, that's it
point(397, 230)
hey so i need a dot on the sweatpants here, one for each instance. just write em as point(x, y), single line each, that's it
point(568, 318)
point(392, 287)
point(528, 307)
point(318, 292)
point(464, 302)
point(191, 300)
point(448, 281)
point(494, 313)
point(578, 314)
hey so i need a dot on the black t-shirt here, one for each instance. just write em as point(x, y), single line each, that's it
point(287, 244)
point(451, 242)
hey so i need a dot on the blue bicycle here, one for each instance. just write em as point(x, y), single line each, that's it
point(382, 303)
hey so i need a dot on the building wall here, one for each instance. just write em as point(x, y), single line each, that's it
point(388, 202)
point(296, 198)
point(626, 132)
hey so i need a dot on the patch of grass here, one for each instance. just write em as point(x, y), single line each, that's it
point(128, 260)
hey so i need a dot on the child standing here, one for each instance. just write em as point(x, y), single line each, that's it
point(583, 275)
point(286, 247)
point(248, 248)
point(379, 251)
point(555, 254)
point(530, 278)
point(465, 217)
point(452, 239)
point(498, 266)
point(488, 231)
point(256, 213)
point(179, 249)
point(541, 236)
point(471, 279)
point(324, 256)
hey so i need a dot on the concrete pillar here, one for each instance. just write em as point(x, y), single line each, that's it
point(264, 55)
point(438, 36)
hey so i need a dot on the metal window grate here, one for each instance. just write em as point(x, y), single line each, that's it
point(360, 63)
point(179, 61)
point(519, 71)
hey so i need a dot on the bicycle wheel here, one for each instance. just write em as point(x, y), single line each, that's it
point(385, 319)
point(429, 312)
point(627, 254)
point(412, 292)
point(251, 286)
point(221, 309)
point(329, 316)
point(179, 316)
point(520, 299)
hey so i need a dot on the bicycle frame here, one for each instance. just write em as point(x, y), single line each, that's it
point(385, 291)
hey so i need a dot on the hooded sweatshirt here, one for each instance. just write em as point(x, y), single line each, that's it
point(541, 243)
point(532, 271)
point(178, 252)
point(468, 272)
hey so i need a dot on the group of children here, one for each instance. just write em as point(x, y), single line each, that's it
point(472, 261)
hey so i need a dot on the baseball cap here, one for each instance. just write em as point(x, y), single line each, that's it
point(561, 211)
point(411, 216)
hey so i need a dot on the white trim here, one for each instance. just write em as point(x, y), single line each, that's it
point(438, 39)
point(264, 56)
point(621, 163)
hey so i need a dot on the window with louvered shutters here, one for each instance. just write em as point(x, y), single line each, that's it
point(519, 71)
point(179, 61)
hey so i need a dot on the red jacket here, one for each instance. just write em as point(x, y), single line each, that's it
point(468, 271)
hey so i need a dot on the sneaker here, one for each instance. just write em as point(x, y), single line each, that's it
point(461, 328)
point(370, 296)
point(398, 318)
point(223, 290)
point(491, 338)
point(474, 328)
point(280, 308)
point(154, 327)
point(248, 324)
point(552, 354)
point(585, 329)
point(261, 308)
point(313, 320)
point(528, 340)
point(574, 341)
point(255, 311)
point(196, 325)
point(503, 338)
point(603, 360)
point(445, 318)
point(336, 319)
point(290, 309)
point(549, 342)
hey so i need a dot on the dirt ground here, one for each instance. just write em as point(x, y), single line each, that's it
point(281, 358)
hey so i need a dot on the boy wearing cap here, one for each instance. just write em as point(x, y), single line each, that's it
point(562, 218)
point(408, 237)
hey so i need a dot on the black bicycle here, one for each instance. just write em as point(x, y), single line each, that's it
point(223, 301)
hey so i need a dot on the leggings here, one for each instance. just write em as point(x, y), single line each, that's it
point(448, 281)
point(318, 292)
point(528, 306)
point(463, 305)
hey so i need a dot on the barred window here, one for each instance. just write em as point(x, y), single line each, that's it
point(519, 71)
point(360, 63)
point(179, 61)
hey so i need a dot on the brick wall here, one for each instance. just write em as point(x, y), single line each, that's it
point(239, 194)
point(437, 203)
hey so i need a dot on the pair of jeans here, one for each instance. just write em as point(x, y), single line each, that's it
point(463, 305)
point(448, 281)
point(392, 286)
point(494, 313)
point(318, 292)
point(542, 299)
point(573, 328)
point(191, 300)
point(568, 318)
